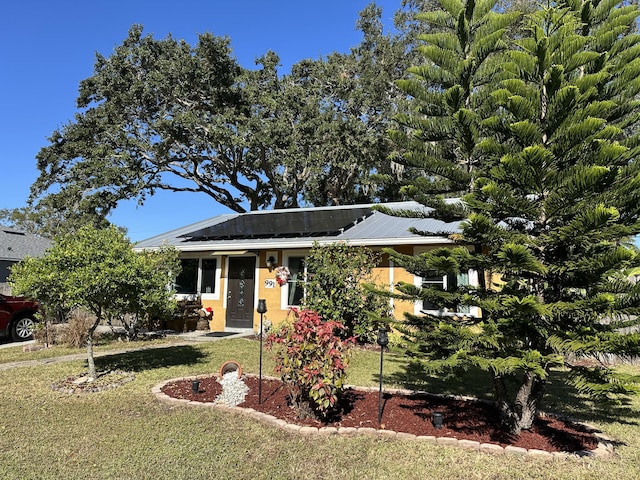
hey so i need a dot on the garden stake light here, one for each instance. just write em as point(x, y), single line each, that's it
point(383, 341)
point(195, 386)
point(437, 420)
point(262, 309)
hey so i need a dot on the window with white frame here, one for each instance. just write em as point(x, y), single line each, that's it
point(208, 278)
point(198, 276)
point(446, 282)
point(187, 280)
point(295, 284)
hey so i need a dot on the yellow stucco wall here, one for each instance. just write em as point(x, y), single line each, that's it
point(384, 275)
point(401, 275)
point(271, 295)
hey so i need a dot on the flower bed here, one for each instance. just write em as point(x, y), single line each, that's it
point(408, 413)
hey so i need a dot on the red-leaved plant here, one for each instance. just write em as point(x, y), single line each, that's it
point(312, 361)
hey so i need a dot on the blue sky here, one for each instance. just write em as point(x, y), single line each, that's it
point(47, 48)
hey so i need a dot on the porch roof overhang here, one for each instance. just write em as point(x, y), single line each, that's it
point(245, 248)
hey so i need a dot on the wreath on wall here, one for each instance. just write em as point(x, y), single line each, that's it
point(282, 275)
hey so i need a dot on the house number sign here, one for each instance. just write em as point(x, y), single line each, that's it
point(269, 283)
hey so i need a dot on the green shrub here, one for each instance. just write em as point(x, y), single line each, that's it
point(335, 288)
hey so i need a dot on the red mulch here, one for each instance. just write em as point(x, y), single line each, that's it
point(466, 420)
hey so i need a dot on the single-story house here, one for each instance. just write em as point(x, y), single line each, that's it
point(230, 261)
point(16, 245)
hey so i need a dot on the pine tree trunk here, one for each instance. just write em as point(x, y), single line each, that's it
point(502, 402)
point(528, 400)
point(520, 414)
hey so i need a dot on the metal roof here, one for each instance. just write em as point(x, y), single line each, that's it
point(370, 228)
point(15, 245)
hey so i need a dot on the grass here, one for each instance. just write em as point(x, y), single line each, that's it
point(127, 433)
point(15, 354)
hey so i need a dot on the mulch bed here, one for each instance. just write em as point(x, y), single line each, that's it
point(463, 420)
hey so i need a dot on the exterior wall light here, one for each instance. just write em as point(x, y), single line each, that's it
point(271, 262)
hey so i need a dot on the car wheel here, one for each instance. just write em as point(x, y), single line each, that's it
point(23, 329)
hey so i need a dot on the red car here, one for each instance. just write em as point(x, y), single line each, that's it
point(17, 317)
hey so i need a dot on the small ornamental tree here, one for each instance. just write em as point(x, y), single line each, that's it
point(311, 359)
point(148, 299)
point(97, 270)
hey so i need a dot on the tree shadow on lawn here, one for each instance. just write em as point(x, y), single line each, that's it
point(149, 359)
point(410, 375)
point(560, 397)
point(563, 398)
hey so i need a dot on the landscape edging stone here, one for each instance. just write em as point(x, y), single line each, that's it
point(604, 448)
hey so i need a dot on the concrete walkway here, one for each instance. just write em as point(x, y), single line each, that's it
point(175, 340)
point(10, 344)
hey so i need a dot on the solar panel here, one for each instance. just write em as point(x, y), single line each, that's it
point(302, 223)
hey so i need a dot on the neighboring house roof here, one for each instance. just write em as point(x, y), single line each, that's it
point(15, 245)
point(301, 227)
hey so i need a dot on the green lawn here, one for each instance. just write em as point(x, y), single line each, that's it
point(10, 355)
point(127, 433)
